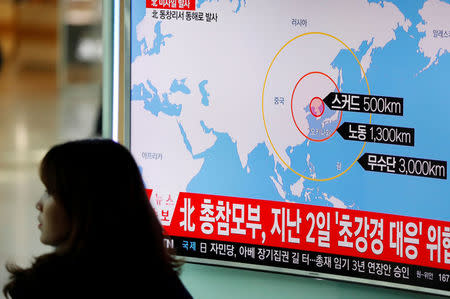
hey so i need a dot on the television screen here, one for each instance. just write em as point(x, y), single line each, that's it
point(304, 137)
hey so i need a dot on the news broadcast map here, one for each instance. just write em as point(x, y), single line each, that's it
point(229, 100)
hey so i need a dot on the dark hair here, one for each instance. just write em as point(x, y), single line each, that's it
point(1, 58)
point(114, 230)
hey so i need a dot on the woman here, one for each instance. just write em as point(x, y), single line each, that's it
point(108, 241)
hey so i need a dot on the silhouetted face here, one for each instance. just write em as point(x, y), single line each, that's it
point(53, 221)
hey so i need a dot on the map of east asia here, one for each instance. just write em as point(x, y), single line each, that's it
point(197, 88)
point(242, 113)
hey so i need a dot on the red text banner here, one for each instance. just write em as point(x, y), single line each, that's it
point(377, 236)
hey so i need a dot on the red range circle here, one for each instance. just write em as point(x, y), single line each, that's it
point(292, 109)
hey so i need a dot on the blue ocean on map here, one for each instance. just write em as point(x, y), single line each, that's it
point(222, 172)
point(180, 86)
point(136, 17)
point(153, 102)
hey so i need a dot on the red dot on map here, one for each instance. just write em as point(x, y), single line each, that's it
point(317, 107)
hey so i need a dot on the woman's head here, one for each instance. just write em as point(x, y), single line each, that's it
point(97, 187)
point(96, 212)
point(53, 221)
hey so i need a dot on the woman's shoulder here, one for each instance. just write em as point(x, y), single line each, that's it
point(66, 278)
point(44, 279)
point(97, 280)
point(176, 289)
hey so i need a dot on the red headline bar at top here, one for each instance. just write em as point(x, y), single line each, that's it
point(171, 4)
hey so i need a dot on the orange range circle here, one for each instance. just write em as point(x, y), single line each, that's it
point(264, 117)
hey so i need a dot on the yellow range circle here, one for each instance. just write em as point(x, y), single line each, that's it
point(264, 117)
